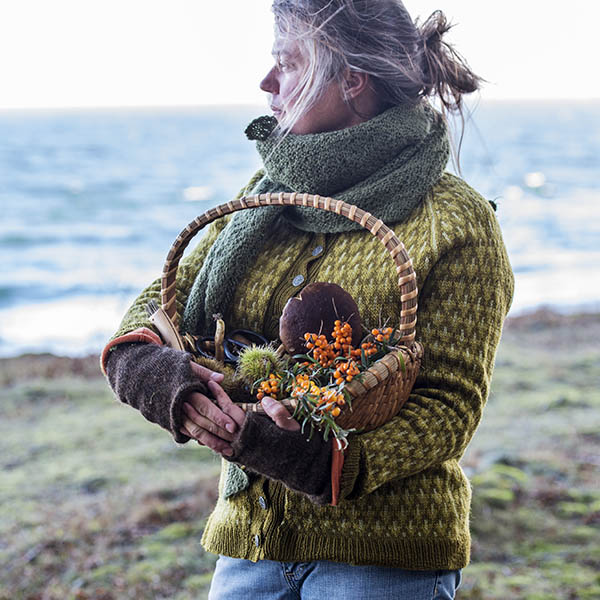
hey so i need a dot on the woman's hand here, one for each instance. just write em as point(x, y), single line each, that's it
point(279, 414)
point(215, 426)
point(205, 374)
point(211, 425)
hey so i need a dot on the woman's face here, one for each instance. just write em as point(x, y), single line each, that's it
point(328, 114)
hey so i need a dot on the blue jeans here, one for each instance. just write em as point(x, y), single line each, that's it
point(235, 578)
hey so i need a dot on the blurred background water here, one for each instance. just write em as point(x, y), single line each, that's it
point(92, 200)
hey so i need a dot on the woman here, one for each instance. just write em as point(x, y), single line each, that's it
point(350, 95)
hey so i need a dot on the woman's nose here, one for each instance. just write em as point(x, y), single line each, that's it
point(269, 83)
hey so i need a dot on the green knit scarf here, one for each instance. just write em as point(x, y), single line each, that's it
point(385, 165)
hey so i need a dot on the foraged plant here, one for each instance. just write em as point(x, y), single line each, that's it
point(317, 379)
point(258, 362)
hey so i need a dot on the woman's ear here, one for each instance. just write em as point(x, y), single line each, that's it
point(355, 83)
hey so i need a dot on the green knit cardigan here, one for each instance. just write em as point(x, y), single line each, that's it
point(404, 498)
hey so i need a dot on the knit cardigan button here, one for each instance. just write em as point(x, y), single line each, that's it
point(298, 280)
point(262, 502)
point(316, 251)
point(257, 540)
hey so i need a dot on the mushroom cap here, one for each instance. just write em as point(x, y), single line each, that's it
point(315, 310)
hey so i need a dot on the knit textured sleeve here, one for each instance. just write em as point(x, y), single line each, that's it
point(462, 306)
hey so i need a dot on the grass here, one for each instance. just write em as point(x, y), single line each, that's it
point(95, 503)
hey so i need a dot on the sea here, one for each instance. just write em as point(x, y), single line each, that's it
point(91, 201)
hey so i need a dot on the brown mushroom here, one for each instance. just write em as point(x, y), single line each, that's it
point(315, 310)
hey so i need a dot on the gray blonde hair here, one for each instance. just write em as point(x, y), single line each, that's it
point(406, 61)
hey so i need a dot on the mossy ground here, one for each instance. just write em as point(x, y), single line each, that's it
point(535, 466)
point(97, 503)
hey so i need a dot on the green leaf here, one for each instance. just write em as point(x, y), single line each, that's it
point(305, 358)
point(363, 358)
point(304, 422)
point(348, 397)
point(402, 363)
point(296, 411)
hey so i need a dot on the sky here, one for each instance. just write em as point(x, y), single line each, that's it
point(85, 53)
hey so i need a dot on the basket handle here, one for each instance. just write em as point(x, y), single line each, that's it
point(407, 279)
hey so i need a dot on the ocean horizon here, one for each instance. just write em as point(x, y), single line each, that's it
point(92, 200)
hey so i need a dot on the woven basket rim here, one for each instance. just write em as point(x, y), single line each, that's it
point(404, 268)
point(360, 386)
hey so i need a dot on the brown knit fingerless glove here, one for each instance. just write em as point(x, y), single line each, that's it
point(155, 380)
point(288, 456)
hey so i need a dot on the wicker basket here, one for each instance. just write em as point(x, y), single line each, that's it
point(380, 392)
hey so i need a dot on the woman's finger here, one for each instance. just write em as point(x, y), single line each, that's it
point(206, 374)
point(202, 422)
point(279, 414)
point(186, 432)
point(225, 403)
point(206, 407)
point(206, 438)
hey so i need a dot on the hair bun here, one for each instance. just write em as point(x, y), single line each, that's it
point(446, 72)
point(434, 28)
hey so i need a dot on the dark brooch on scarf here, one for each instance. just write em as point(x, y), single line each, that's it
point(261, 128)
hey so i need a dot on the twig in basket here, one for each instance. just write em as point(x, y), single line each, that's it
point(219, 337)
